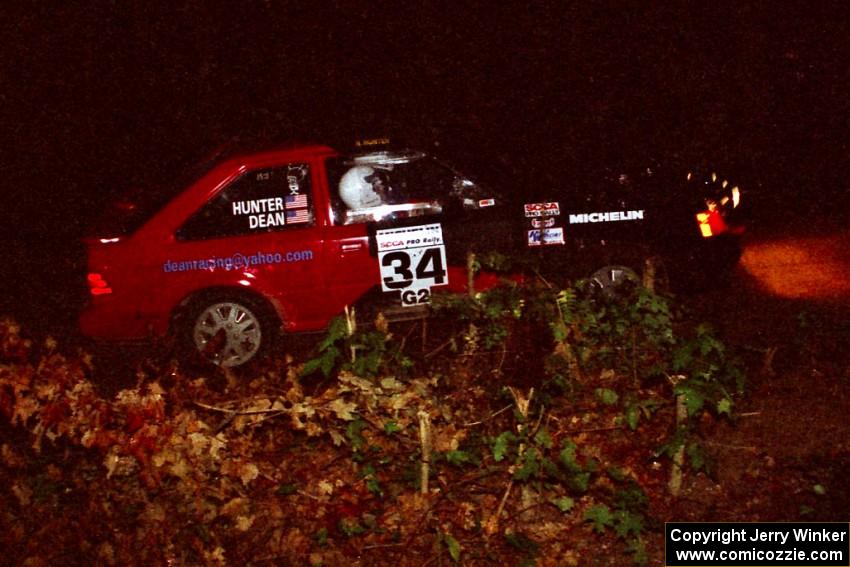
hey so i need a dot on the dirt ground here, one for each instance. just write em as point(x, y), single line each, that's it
point(785, 457)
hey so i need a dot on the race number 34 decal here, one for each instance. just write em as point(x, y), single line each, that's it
point(412, 260)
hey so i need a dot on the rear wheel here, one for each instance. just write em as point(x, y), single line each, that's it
point(613, 278)
point(229, 331)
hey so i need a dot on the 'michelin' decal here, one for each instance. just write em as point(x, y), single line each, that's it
point(612, 216)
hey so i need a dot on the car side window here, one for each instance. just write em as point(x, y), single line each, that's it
point(365, 191)
point(258, 201)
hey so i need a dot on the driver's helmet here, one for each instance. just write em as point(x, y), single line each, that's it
point(355, 188)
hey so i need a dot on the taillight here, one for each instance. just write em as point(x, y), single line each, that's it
point(704, 227)
point(711, 223)
point(98, 285)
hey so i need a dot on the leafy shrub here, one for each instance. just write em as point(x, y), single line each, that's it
point(364, 353)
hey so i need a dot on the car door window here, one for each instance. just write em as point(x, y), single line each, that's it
point(367, 191)
point(258, 201)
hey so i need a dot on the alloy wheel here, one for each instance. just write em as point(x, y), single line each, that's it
point(227, 333)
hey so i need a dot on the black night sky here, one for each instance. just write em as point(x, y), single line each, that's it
point(100, 95)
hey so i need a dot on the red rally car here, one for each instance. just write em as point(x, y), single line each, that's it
point(270, 241)
point(284, 239)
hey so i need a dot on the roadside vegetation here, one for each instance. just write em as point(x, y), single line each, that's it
point(526, 425)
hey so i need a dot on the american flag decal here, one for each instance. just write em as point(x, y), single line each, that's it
point(297, 216)
point(296, 201)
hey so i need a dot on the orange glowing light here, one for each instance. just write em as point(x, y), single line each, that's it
point(704, 225)
point(801, 267)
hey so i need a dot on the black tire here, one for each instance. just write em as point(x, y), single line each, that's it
point(228, 329)
point(610, 279)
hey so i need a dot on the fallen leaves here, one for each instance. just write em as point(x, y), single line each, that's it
point(270, 471)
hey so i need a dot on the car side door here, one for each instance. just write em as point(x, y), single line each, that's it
point(260, 232)
point(351, 267)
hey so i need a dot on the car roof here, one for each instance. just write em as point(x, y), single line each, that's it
point(254, 150)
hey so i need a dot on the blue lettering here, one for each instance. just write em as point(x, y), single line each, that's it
point(238, 260)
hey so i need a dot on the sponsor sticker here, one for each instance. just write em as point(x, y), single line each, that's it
point(611, 216)
point(486, 203)
point(410, 237)
point(542, 209)
point(546, 236)
point(542, 222)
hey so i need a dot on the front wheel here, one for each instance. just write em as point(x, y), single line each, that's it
point(228, 332)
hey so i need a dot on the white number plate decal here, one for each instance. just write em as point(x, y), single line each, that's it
point(412, 260)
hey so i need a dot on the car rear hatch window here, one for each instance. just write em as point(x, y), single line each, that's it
point(139, 203)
